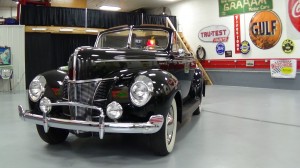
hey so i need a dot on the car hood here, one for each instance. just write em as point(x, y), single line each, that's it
point(100, 63)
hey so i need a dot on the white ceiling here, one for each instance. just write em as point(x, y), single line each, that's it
point(126, 5)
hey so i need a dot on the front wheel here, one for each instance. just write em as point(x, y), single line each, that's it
point(163, 141)
point(53, 136)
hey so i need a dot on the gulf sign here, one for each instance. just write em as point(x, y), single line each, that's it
point(294, 13)
point(265, 29)
point(214, 34)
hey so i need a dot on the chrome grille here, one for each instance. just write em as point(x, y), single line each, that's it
point(102, 93)
point(83, 93)
point(91, 93)
point(65, 89)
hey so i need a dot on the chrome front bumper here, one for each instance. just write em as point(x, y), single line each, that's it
point(153, 125)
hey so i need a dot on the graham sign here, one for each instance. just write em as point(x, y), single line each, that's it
point(231, 7)
point(214, 34)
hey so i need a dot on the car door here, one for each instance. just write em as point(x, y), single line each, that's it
point(182, 65)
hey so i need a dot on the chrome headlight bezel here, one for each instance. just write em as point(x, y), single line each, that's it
point(141, 90)
point(114, 110)
point(37, 88)
point(44, 105)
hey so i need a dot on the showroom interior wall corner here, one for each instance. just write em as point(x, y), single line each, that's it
point(193, 15)
point(14, 37)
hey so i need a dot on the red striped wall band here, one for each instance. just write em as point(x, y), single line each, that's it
point(241, 63)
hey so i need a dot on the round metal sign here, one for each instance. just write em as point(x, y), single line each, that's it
point(220, 48)
point(265, 29)
point(245, 47)
point(288, 46)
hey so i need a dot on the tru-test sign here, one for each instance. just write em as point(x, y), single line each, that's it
point(214, 34)
point(231, 7)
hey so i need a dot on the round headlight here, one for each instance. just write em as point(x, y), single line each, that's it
point(114, 110)
point(37, 88)
point(44, 105)
point(140, 91)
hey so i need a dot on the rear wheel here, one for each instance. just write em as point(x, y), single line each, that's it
point(163, 141)
point(53, 136)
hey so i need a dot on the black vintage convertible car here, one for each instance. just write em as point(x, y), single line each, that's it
point(136, 79)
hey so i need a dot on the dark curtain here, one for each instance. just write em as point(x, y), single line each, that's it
point(56, 16)
point(46, 52)
point(37, 55)
point(105, 19)
point(50, 16)
point(156, 19)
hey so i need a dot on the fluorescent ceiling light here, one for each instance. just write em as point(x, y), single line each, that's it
point(91, 31)
point(109, 8)
point(39, 29)
point(65, 30)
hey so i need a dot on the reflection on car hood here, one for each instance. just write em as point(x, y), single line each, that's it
point(100, 63)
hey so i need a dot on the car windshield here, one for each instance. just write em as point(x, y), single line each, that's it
point(141, 39)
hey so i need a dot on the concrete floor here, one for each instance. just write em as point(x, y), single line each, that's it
point(238, 128)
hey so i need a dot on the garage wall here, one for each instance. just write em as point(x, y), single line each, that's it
point(193, 15)
point(7, 12)
point(14, 37)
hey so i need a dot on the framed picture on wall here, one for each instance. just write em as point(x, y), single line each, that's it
point(5, 55)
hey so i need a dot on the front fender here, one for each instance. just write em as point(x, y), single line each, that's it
point(53, 87)
point(165, 88)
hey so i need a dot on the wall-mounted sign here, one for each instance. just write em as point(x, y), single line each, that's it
point(283, 68)
point(265, 29)
point(294, 13)
point(245, 47)
point(214, 34)
point(220, 48)
point(288, 46)
point(6, 72)
point(249, 63)
point(237, 33)
point(228, 53)
point(231, 7)
point(5, 56)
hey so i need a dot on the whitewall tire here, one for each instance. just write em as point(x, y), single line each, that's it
point(163, 141)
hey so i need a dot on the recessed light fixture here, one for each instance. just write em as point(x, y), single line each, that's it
point(109, 8)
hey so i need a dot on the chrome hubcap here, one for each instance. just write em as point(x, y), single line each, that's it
point(170, 125)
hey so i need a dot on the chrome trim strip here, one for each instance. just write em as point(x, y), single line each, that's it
point(132, 60)
point(74, 65)
point(75, 104)
point(99, 100)
point(129, 37)
point(153, 125)
point(92, 80)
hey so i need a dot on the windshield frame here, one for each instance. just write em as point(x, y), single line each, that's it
point(131, 29)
